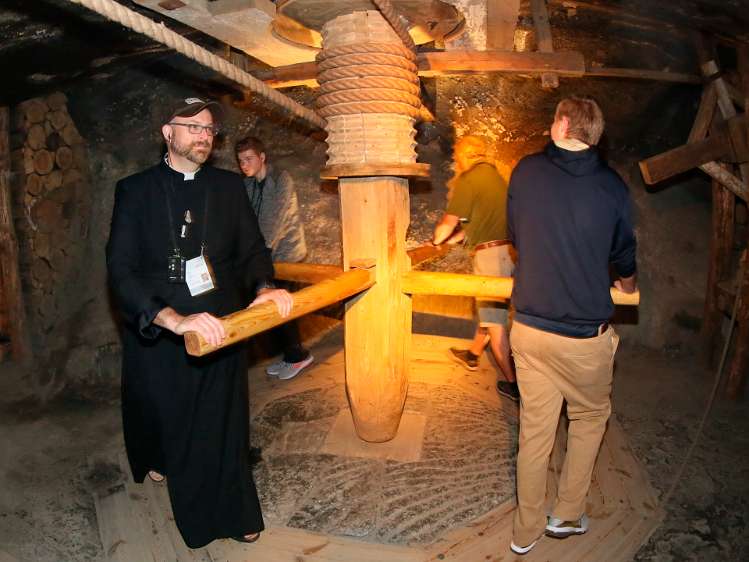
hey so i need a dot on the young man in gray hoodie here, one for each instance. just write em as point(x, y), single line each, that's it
point(274, 200)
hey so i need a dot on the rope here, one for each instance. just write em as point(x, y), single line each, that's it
point(387, 48)
point(716, 383)
point(158, 32)
point(366, 58)
point(368, 94)
point(393, 18)
point(368, 78)
point(370, 107)
point(378, 82)
point(367, 71)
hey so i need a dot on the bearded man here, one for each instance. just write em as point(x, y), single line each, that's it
point(184, 249)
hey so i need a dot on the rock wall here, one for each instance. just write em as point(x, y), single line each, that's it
point(120, 116)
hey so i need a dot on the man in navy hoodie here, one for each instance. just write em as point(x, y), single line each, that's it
point(569, 219)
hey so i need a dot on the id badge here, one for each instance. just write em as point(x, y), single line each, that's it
point(199, 276)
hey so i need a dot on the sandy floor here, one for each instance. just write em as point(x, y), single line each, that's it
point(47, 514)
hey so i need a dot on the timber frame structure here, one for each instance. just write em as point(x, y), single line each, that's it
point(718, 144)
point(135, 522)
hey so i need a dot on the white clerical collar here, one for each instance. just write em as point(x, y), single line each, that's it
point(574, 145)
point(188, 176)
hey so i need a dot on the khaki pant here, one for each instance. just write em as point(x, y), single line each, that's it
point(550, 369)
point(495, 261)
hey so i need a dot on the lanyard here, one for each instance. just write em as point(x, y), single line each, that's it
point(168, 193)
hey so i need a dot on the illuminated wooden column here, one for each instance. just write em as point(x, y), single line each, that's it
point(370, 142)
point(375, 216)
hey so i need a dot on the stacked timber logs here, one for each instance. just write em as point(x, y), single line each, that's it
point(51, 203)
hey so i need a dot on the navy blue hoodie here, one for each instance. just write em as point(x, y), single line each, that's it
point(568, 216)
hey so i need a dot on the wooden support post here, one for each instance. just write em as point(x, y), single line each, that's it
point(480, 286)
point(12, 314)
point(721, 245)
point(250, 321)
point(737, 372)
point(501, 20)
point(374, 218)
point(543, 38)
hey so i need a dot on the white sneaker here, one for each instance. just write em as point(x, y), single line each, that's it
point(560, 529)
point(275, 368)
point(522, 549)
point(290, 370)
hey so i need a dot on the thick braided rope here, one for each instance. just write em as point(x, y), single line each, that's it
point(370, 107)
point(388, 12)
point(368, 94)
point(158, 32)
point(366, 58)
point(383, 48)
point(367, 71)
point(376, 82)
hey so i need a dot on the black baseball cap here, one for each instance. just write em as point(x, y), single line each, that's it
point(192, 106)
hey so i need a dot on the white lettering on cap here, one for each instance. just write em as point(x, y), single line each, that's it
point(190, 101)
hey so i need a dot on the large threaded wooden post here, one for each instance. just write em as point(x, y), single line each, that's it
point(370, 99)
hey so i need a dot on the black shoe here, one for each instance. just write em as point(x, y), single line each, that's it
point(464, 357)
point(256, 456)
point(509, 390)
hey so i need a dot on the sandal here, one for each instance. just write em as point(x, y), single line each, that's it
point(155, 476)
point(250, 538)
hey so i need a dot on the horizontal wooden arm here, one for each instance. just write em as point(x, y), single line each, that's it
point(479, 286)
point(316, 272)
point(456, 284)
point(246, 323)
point(305, 272)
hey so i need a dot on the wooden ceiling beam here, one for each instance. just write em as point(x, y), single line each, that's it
point(447, 63)
point(675, 24)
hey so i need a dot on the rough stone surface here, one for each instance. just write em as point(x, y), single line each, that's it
point(465, 470)
point(47, 514)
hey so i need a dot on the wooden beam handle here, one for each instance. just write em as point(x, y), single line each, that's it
point(246, 323)
point(480, 286)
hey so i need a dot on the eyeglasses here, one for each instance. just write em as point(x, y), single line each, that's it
point(211, 130)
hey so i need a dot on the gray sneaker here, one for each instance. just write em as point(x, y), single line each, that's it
point(559, 529)
point(274, 368)
point(522, 549)
point(290, 370)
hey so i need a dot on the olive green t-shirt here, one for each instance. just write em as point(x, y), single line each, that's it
point(480, 200)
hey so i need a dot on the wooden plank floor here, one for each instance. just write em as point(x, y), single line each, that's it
point(136, 522)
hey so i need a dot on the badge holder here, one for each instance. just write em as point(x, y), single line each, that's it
point(199, 274)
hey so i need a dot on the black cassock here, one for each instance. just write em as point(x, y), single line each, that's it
point(187, 417)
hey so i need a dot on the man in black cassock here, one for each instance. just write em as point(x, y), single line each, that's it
point(184, 249)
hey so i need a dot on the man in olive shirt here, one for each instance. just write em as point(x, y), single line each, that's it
point(478, 203)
